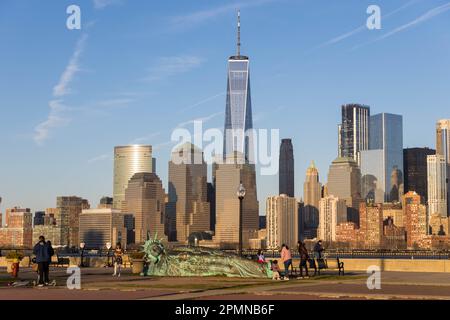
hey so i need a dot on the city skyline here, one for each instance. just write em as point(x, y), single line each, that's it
point(85, 168)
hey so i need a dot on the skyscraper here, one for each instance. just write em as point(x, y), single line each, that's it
point(332, 211)
point(67, 217)
point(229, 176)
point(238, 112)
point(344, 182)
point(282, 221)
point(354, 130)
point(188, 191)
point(129, 160)
point(382, 164)
point(286, 167)
point(443, 149)
point(415, 166)
point(145, 199)
point(312, 190)
point(437, 185)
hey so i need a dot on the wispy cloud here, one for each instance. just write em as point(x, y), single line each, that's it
point(363, 27)
point(100, 4)
point(203, 101)
point(145, 138)
point(201, 16)
point(114, 102)
point(99, 158)
point(202, 119)
point(61, 89)
point(54, 119)
point(56, 116)
point(170, 66)
point(423, 18)
point(162, 145)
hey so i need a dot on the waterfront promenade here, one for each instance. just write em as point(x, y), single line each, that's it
point(98, 284)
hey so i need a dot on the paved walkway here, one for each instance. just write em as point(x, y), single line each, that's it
point(99, 284)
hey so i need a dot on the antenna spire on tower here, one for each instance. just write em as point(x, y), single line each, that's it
point(239, 34)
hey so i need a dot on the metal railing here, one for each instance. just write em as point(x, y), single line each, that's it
point(275, 253)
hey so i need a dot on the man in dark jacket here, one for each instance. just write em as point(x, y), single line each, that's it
point(318, 250)
point(43, 257)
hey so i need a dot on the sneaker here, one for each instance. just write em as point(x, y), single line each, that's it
point(118, 275)
point(40, 285)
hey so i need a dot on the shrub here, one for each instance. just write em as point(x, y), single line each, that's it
point(12, 255)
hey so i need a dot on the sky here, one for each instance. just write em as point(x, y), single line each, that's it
point(136, 70)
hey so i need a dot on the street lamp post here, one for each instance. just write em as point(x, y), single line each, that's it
point(108, 246)
point(241, 195)
point(82, 245)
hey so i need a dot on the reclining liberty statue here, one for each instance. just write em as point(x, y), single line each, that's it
point(193, 261)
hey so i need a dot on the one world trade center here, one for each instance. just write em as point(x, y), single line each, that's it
point(238, 135)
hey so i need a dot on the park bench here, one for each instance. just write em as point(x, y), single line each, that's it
point(323, 263)
point(59, 261)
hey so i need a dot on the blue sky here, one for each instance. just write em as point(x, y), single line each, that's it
point(137, 69)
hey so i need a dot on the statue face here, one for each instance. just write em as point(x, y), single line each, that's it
point(156, 250)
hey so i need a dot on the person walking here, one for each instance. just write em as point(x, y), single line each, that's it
point(304, 257)
point(118, 259)
point(41, 251)
point(51, 253)
point(318, 250)
point(286, 257)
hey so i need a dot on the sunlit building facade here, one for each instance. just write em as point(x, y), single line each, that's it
point(188, 191)
point(228, 178)
point(129, 160)
point(332, 211)
point(443, 149)
point(145, 199)
point(437, 185)
point(282, 221)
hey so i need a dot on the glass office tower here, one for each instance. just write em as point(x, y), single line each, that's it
point(286, 167)
point(238, 113)
point(382, 165)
